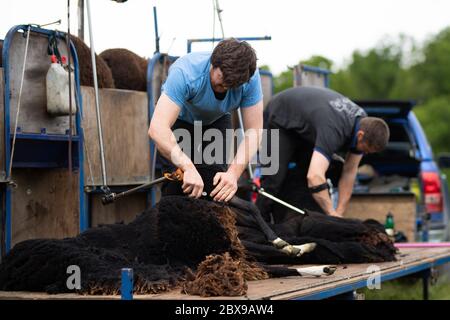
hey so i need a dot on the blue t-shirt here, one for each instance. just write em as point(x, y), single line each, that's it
point(189, 86)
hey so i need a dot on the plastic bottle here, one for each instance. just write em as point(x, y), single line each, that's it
point(389, 226)
point(57, 82)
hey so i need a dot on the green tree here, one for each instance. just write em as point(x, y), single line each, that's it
point(434, 115)
point(434, 70)
point(283, 81)
point(374, 73)
point(318, 61)
point(264, 67)
point(343, 82)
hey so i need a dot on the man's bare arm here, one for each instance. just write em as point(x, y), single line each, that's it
point(164, 116)
point(316, 176)
point(347, 181)
point(227, 181)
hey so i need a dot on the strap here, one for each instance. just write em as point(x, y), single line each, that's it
point(52, 47)
point(319, 188)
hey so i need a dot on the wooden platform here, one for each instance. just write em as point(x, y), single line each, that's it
point(346, 278)
point(401, 205)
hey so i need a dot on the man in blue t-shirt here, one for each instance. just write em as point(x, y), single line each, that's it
point(201, 90)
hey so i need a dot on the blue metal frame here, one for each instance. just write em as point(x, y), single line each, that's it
point(326, 73)
point(151, 103)
point(126, 288)
point(155, 18)
point(340, 289)
point(78, 139)
point(191, 41)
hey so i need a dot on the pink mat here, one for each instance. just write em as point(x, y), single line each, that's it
point(423, 245)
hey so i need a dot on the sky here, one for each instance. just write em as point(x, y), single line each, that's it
point(299, 28)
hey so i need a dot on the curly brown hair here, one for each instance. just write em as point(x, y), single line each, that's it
point(376, 132)
point(237, 61)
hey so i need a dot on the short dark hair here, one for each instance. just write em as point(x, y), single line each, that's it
point(376, 132)
point(237, 61)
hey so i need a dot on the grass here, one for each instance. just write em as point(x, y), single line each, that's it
point(408, 289)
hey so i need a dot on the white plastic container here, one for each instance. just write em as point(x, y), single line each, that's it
point(57, 82)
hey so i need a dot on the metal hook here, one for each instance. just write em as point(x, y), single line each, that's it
point(58, 22)
point(12, 184)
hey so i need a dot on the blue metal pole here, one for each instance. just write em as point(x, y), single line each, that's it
point(155, 18)
point(151, 104)
point(189, 46)
point(83, 197)
point(7, 132)
point(127, 284)
point(315, 69)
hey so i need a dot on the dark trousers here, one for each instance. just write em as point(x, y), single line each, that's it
point(289, 185)
point(206, 170)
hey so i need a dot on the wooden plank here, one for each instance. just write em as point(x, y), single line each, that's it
point(124, 116)
point(33, 110)
point(45, 204)
point(2, 128)
point(124, 210)
point(359, 272)
point(372, 206)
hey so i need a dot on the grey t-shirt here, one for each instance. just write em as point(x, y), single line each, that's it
point(321, 117)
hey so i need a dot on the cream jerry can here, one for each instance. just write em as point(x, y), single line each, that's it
point(57, 82)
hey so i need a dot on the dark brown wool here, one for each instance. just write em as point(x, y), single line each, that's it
point(128, 69)
point(104, 75)
point(181, 234)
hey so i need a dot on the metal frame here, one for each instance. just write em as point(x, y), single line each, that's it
point(191, 41)
point(422, 270)
point(326, 73)
point(83, 216)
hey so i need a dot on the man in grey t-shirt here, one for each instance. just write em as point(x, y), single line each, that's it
point(314, 125)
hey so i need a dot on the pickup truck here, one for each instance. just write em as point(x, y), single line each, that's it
point(409, 161)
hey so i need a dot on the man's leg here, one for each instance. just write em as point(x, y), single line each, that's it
point(273, 183)
point(295, 187)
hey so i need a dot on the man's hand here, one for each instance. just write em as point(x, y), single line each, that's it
point(226, 186)
point(336, 214)
point(192, 182)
